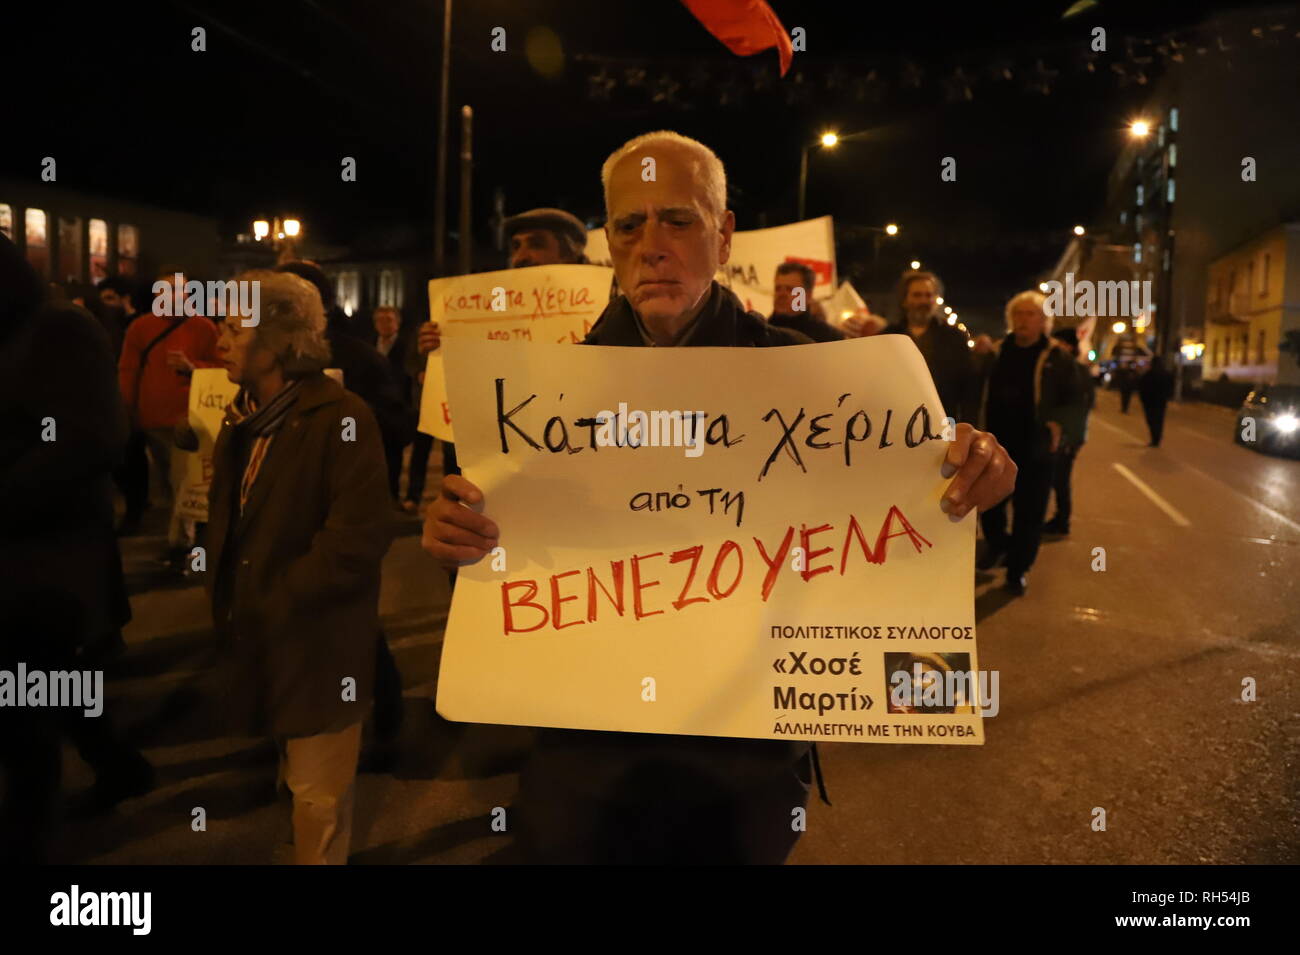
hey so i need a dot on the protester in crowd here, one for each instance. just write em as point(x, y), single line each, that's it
point(1155, 388)
point(536, 237)
point(635, 797)
point(159, 354)
point(1127, 379)
point(1028, 391)
point(393, 346)
point(368, 375)
point(1074, 431)
point(545, 237)
point(366, 372)
point(942, 345)
point(63, 598)
point(298, 527)
point(117, 296)
point(789, 277)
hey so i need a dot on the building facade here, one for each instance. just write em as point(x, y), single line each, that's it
point(1252, 300)
point(69, 236)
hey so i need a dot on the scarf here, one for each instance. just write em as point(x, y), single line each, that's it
point(261, 424)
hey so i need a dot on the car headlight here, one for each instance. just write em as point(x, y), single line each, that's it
point(1286, 423)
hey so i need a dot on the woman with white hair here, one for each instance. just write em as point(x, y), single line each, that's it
point(299, 524)
point(1029, 390)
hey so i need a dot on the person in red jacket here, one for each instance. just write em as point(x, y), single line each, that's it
point(159, 353)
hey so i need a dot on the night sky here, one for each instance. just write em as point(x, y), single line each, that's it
point(259, 122)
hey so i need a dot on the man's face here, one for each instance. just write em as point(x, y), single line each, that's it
point(783, 293)
point(111, 299)
point(1027, 322)
point(665, 243)
point(243, 360)
point(534, 247)
point(385, 322)
point(918, 301)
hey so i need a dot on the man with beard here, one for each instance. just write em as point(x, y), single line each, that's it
point(943, 346)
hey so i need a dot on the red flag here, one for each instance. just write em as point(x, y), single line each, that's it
point(745, 27)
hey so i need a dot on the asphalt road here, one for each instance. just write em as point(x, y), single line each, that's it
point(1120, 689)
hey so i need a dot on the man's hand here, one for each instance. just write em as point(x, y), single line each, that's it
point(862, 324)
point(178, 361)
point(984, 472)
point(455, 533)
point(1055, 428)
point(430, 337)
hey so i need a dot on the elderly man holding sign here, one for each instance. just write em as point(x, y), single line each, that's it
point(592, 796)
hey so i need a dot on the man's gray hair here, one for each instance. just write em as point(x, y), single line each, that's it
point(291, 324)
point(1035, 297)
point(708, 170)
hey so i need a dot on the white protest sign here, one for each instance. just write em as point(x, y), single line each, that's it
point(755, 254)
point(740, 542)
point(210, 391)
point(548, 303)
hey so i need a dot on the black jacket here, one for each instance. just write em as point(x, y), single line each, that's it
point(367, 374)
point(1027, 388)
point(951, 365)
point(810, 325)
point(60, 569)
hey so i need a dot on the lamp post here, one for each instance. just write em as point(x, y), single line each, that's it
point(282, 234)
point(827, 140)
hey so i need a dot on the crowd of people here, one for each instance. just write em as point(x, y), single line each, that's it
point(300, 518)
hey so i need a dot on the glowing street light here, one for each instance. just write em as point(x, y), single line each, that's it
point(1078, 230)
point(829, 140)
point(891, 229)
point(1139, 128)
point(952, 319)
point(292, 227)
point(947, 309)
point(1042, 287)
point(939, 300)
point(916, 264)
point(1118, 328)
point(261, 229)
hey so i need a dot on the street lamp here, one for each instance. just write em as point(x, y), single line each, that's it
point(1079, 230)
point(1139, 128)
point(827, 140)
point(891, 229)
point(916, 265)
point(283, 234)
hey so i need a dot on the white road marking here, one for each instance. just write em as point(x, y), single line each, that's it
point(1276, 515)
point(1173, 512)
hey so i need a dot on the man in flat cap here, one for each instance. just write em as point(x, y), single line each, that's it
point(546, 237)
point(536, 237)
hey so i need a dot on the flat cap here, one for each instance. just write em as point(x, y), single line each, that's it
point(553, 220)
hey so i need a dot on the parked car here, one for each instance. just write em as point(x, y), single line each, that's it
point(1275, 410)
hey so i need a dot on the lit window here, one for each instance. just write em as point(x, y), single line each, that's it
point(7, 220)
point(349, 292)
point(38, 252)
point(128, 249)
point(70, 249)
point(98, 250)
point(390, 287)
